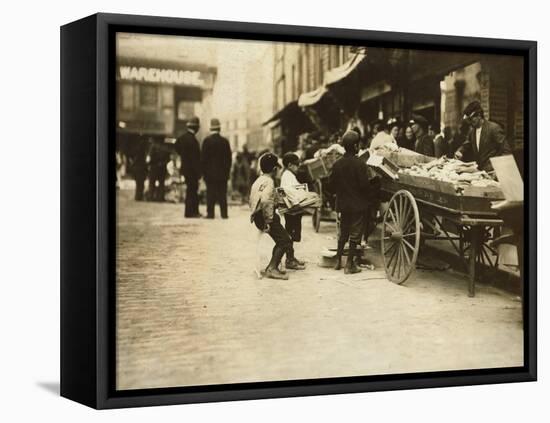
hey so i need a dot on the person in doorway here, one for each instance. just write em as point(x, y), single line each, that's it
point(350, 182)
point(216, 167)
point(263, 214)
point(187, 146)
point(486, 139)
point(424, 142)
point(293, 223)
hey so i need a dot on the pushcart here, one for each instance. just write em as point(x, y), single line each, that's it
point(421, 209)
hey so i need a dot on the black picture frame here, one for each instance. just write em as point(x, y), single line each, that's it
point(88, 210)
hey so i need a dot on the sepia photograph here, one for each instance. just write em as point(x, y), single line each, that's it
point(289, 211)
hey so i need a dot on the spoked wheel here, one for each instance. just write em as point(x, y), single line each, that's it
point(400, 240)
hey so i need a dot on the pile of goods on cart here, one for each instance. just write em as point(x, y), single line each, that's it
point(460, 174)
point(450, 176)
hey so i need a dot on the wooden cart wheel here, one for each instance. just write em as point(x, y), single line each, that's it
point(400, 239)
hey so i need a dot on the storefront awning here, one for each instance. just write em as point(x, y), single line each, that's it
point(311, 98)
point(340, 73)
point(290, 108)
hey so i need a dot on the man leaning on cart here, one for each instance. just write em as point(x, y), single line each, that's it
point(486, 139)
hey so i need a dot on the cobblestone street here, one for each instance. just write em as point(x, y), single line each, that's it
point(191, 311)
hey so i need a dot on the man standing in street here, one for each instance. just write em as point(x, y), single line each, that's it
point(187, 146)
point(486, 139)
point(350, 182)
point(424, 142)
point(216, 165)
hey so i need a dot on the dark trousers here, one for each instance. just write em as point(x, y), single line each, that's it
point(191, 196)
point(293, 225)
point(276, 231)
point(351, 226)
point(140, 187)
point(157, 175)
point(216, 193)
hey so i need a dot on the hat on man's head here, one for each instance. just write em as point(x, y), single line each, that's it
point(419, 120)
point(473, 109)
point(290, 158)
point(193, 122)
point(215, 124)
point(268, 162)
point(349, 139)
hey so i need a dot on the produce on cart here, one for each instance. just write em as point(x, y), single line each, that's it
point(425, 198)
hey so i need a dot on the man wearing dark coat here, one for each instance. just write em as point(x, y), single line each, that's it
point(216, 165)
point(424, 142)
point(486, 139)
point(350, 182)
point(187, 146)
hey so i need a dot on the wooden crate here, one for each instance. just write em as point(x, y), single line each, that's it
point(317, 168)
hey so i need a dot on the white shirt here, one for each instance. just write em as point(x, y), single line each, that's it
point(288, 179)
point(380, 139)
point(478, 137)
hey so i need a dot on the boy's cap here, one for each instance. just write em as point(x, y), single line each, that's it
point(349, 139)
point(290, 158)
point(268, 162)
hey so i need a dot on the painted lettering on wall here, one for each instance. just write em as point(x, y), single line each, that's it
point(162, 76)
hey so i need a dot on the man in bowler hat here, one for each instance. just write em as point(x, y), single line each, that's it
point(187, 146)
point(216, 166)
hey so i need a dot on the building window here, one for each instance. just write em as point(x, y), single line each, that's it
point(127, 97)
point(148, 96)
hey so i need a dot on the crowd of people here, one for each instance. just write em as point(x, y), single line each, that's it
point(354, 187)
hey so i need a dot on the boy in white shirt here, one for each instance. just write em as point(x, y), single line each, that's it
point(293, 223)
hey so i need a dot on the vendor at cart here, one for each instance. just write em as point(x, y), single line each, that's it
point(486, 139)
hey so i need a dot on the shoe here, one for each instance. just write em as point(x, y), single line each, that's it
point(275, 274)
point(351, 267)
point(294, 265)
point(338, 265)
point(210, 217)
point(300, 262)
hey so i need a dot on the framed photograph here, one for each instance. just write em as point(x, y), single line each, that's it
point(256, 211)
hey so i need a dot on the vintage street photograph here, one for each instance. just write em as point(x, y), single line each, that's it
point(290, 211)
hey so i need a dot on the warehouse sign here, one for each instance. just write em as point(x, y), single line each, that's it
point(161, 76)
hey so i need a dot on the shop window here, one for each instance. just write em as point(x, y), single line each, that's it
point(148, 96)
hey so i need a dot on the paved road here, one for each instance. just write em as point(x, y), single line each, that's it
point(190, 310)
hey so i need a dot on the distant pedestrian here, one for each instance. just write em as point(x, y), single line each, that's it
point(187, 146)
point(216, 166)
point(139, 165)
point(159, 158)
point(240, 176)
